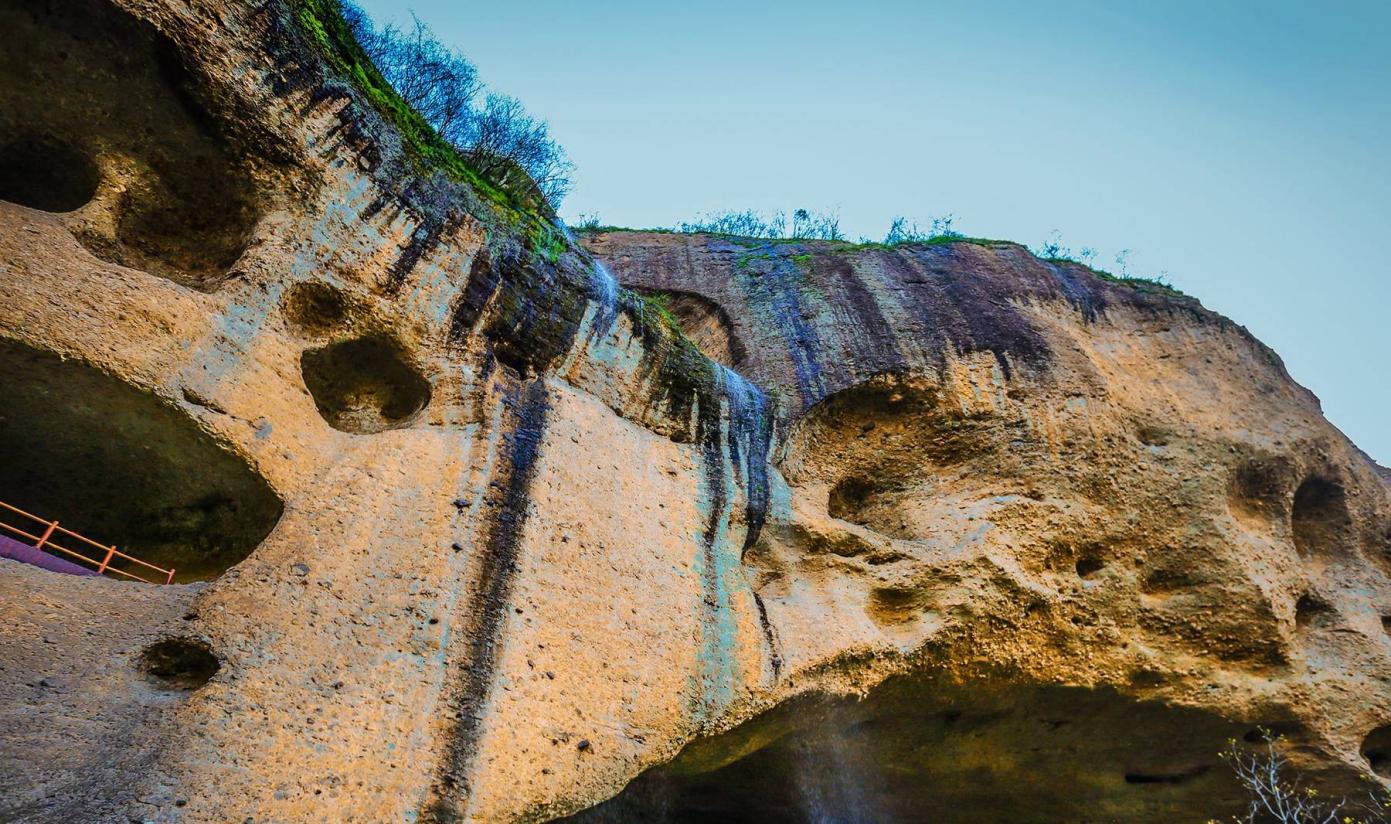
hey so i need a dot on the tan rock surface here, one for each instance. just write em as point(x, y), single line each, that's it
point(477, 536)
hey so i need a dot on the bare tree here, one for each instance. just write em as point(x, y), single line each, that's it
point(501, 140)
point(1275, 797)
point(808, 225)
point(747, 223)
point(901, 231)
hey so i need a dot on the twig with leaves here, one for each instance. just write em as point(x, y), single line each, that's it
point(1275, 797)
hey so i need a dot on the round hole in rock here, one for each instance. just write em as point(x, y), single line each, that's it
point(179, 663)
point(364, 385)
point(1312, 611)
point(1089, 565)
point(891, 456)
point(1376, 748)
point(314, 308)
point(122, 467)
point(1319, 517)
point(42, 172)
point(848, 499)
point(1259, 489)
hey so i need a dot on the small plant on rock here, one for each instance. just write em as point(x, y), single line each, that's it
point(1275, 796)
point(901, 231)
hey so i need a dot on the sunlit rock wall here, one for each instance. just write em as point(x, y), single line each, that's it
point(464, 531)
point(1098, 526)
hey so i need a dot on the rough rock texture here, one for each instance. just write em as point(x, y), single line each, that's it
point(942, 532)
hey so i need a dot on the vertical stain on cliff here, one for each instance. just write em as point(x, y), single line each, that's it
point(526, 304)
point(491, 591)
point(425, 237)
point(715, 660)
point(481, 284)
point(770, 636)
point(776, 290)
point(967, 314)
point(860, 317)
point(750, 437)
point(734, 433)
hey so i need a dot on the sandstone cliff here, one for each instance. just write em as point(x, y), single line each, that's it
point(467, 531)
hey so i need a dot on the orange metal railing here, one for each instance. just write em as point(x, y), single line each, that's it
point(46, 543)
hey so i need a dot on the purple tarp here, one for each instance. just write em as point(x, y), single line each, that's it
point(17, 551)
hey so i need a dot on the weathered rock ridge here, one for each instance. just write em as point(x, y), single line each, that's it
point(467, 531)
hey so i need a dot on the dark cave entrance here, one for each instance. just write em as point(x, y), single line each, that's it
point(87, 90)
point(917, 751)
point(1319, 518)
point(703, 321)
point(123, 467)
point(364, 385)
point(45, 173)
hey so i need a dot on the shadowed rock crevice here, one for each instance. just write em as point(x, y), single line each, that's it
point(45, 173)
point(314, 309)
point(364, 385)
point(123, 467)
point(1319, 519)
point(1376, 748)
point(941, 752)
point(702, 320)
point(179, 663)
point(95, 104)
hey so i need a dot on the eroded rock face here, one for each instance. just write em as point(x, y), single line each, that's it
point(1115, 492)
point(482, 536)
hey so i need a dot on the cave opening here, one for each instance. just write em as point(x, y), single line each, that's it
point(918, 749)
point(1319, 517)
point(848, 499)
point(1089, 565)
point(97, 109)
point(1313, 612)
point(364, 385)
point(122, 467)
point(1376, 748)
point(45, 173)
point(701, 320)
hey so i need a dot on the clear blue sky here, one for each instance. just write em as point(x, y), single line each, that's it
point(1243, 147)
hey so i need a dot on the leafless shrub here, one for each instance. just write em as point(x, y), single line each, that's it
point(806, 225)
point(815, 226)
point(502, 141)
point(901, 231)
point(1273, 796)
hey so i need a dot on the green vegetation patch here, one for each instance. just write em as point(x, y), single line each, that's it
point(1141, 284)
point(321, 21)
point(939, 240)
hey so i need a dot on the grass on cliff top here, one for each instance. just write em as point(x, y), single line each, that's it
point(838, 245)
point(1142, 284)
point(322, 22)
